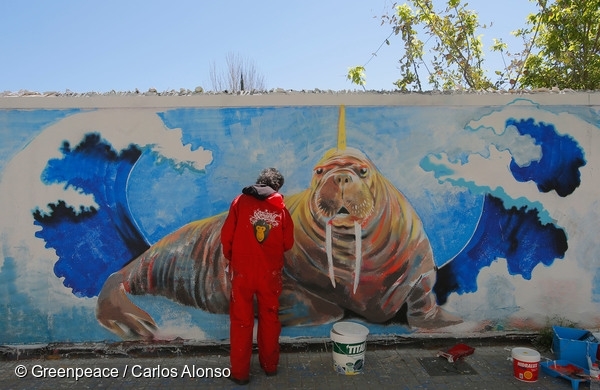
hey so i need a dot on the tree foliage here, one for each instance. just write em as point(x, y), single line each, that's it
point(567, 45)
point(240, 74)
point(456, 51)
point(560, 47)
point(457, 54)
point(357, 75)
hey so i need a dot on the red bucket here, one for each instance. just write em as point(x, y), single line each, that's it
point(526, 364)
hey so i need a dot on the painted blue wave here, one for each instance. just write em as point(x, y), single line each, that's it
point(517, 234)
point(558, 169)
point(91, 244)
point(514, 234)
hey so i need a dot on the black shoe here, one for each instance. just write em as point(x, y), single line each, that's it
point(271, 373)
point(240, 382)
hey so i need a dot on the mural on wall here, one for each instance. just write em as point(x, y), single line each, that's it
point(409, 219)
point(359, 246)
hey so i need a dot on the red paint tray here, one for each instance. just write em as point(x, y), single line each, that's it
point(567, 370)
point(457, 352)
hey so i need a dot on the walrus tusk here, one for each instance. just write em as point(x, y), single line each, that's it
point(358, 254)
point(329, 250)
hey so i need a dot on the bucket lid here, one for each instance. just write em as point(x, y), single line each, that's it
point(350, 329)
point(526, 355)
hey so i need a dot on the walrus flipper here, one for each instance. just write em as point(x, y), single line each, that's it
point(121, 316)
point(423, 311)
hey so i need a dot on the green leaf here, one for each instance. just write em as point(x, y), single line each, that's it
point(357, 75)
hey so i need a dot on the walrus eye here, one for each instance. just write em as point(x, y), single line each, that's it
point(319, 171)
point(363, 172)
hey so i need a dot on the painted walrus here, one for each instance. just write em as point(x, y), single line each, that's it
point(360, 245)
point(360, 248)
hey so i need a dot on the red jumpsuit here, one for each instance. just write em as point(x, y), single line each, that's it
point(256, 233)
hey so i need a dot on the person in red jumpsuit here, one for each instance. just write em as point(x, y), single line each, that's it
point(256, 233)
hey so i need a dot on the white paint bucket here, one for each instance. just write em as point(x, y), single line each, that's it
point(349, 346)
point(526, 364)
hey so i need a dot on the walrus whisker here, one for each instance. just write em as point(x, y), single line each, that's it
point(329, 250)
point(358, 254)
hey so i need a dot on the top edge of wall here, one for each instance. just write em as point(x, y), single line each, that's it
point(25, 100)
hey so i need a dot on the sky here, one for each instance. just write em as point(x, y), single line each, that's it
point(123, 45)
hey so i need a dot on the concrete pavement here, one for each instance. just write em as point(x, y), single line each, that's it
point(388, 365)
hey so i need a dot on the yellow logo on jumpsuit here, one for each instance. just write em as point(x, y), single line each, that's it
point(263, 221)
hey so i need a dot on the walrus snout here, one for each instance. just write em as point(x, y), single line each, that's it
point(342, 179)
point(343, 198)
